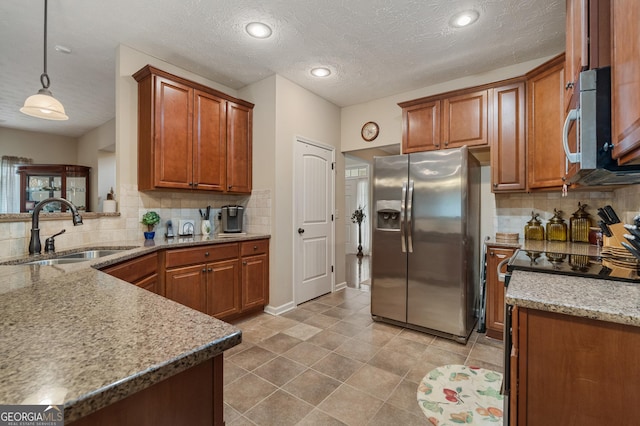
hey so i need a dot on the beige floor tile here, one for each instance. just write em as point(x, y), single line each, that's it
point(484, 340)
point(279, 409)
point(389, 415)
point(406, 347)
point(279, 323)
point(351, 406)
point(389, 328)
point(374, 337)
point(321, 321)
point(238, 348)
point(318, 418)
point(352, 304)
point(393, 361)
point(279, 343)
point(241, 421)
point(306, 353)
point(246, 392)
point(452, 346)
point(363, 320)
point(302, 331)
point(327, 339)
point(312, 386)
point(229, 413)
point(374, 381)
point(431, 358)
point(279, 370)
point(478, 363)
point(257, 333)
point(405, 398)
point(417, 336)
point(252, 358)
point(357, 349)
point(338, 313)
point(298, 314)
point(315, 306)
point(346, 328)
point(232, 372)
point(489, 354)
point(253, 320)
point(337, 366)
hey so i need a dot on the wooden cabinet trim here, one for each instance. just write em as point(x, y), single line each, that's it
point(249, 248)
point(134, 270)
point(193, 255)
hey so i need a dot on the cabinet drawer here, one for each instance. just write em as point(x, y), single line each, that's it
point(136, 269)
point(190, 256)
point(249, 248)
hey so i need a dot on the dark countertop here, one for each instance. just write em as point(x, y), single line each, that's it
point(79, 337)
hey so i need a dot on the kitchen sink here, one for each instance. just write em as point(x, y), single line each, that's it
point(56, 261)
point(90, 254)
point(80, 256)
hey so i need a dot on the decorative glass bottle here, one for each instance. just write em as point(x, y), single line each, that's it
point(579, 225)
point(534, 230)
point(556, 227)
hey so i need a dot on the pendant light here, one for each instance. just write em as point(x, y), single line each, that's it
point(44, 105)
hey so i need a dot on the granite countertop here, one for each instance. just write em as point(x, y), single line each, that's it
point(606, 300)
point(73, 335)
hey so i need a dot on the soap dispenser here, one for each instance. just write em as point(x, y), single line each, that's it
point(579, 225)
point(556, 227)
point(533, 230)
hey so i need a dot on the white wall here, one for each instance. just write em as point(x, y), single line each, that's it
point(43, 148)
point(89, 146)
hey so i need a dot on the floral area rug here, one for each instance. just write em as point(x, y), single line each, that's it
point(457, 394)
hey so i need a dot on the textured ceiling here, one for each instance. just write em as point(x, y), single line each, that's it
point(375, 48)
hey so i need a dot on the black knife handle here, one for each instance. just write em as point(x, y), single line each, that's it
point(612, 214)
point(604, 216)
point(605, 229)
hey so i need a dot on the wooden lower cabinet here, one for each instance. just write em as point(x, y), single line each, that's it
point(226, 281)
point(192, 397)
point(569, 370)
point(141, 271)
point(495, 291)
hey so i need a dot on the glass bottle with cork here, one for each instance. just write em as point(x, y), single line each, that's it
point(556, 227)
point(534, 230)
point(579, 224)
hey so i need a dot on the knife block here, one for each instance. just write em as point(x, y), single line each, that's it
point(617, 230)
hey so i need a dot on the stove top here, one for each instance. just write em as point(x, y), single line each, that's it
point(571, 264)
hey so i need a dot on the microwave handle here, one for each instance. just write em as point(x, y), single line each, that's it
point(572, 157)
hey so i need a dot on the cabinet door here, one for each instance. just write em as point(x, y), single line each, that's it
point(223, 288)
point(545, 99)
point(625, 80)
point(508, 167)
point(495, 291)
point(255, 276)
point(209, 142)
point(421, 127)
point(576, 48)
point(465, 120)
point(188, 286)
point(150, 283)
point(173, 145)
point(239, 149)
point(136, 269)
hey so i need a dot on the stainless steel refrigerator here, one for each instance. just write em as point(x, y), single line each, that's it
point(426, 241)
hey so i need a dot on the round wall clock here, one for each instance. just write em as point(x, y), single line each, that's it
point(370, 131)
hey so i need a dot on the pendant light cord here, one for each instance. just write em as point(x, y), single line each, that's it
point(44, 77)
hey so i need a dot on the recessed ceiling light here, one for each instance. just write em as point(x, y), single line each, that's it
point(464, 19)
point(321, 72)
point(258, 30)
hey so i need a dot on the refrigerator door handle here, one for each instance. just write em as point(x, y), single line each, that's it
point(403, 214)
point(410, 218)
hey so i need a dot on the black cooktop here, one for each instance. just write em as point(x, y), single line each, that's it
point(571, 264)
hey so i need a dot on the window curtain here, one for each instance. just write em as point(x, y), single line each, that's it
point(362, 195)
point(10, 183)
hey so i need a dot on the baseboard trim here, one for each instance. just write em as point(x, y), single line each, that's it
point(340, 286)
point(279, 310)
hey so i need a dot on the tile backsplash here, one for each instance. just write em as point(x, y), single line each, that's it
point(132, 205)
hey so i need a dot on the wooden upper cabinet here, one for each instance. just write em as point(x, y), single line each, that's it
point(546, 112)
point(239, 148)
point(190, 136)
point(625, 80)
point(445, 121)
point(508, 159)
point(465, 120)
point(421, 127)
point(576, 45)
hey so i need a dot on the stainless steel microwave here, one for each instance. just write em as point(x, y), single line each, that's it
point(592, 118)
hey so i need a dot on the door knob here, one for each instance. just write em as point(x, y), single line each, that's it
point(300, 231)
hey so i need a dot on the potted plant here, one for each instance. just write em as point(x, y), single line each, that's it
point(151, 219)
point(357, 217)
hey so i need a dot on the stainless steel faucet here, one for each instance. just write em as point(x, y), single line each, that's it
point(35, 247)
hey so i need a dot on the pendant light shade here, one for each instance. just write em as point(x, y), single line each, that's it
point(43, 104)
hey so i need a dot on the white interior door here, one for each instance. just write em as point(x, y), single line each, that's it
point(313, 221)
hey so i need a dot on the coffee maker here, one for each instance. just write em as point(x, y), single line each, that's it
point(232, 219)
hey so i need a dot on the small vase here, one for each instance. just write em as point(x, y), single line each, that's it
point(206, 227)
point(149, 235)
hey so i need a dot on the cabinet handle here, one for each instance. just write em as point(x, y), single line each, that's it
point(495, 185)
point(244, 262)
point(206, 253)
point(190, 183)
point(204, 269)
point(195, 184)
point(437, 145)
point(492, 254)
point(569, 85)
point(446, 143)
point(255, 248)
point(229, 187)
point(210, 269)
